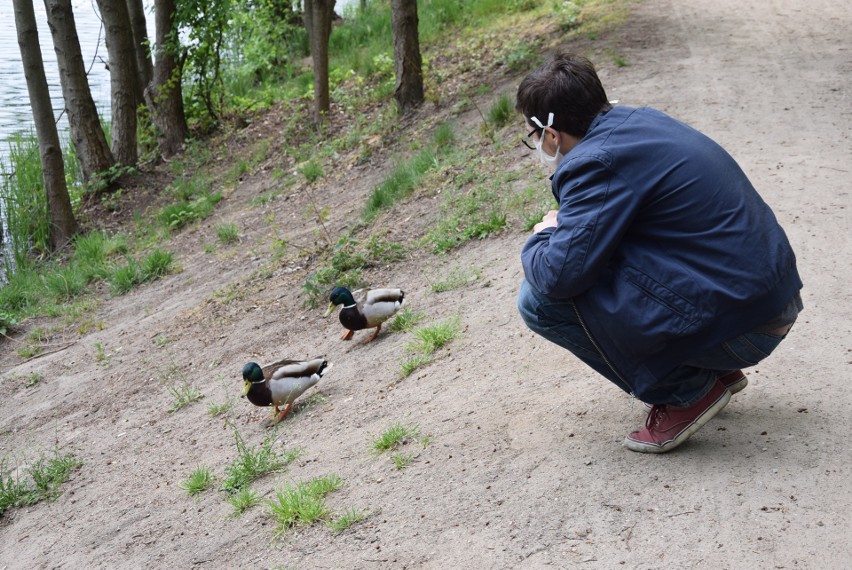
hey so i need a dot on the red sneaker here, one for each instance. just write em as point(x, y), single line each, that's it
point(666, 427)
point(734, 381)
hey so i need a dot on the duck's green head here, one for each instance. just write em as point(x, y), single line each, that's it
point(251, 374)
point(339, 296)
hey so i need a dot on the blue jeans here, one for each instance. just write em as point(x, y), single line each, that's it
point(557, 321)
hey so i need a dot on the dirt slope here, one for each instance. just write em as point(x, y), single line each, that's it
point(525, 468)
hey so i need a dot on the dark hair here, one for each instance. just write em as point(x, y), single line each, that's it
point(567, 86)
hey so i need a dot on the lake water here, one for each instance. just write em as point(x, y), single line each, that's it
point(15, 112)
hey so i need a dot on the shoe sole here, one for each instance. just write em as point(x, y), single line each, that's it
point(698, 423)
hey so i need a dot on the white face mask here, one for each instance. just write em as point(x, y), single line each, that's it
point(545, 158)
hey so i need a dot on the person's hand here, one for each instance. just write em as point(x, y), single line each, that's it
point(548, 221)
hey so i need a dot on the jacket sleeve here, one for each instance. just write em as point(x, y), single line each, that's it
point(596, 208)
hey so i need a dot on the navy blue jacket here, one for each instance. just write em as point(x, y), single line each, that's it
point(662, 242)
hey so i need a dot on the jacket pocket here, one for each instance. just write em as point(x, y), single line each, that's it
point(663, 311)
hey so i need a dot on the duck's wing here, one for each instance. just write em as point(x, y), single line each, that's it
point(374, 296)
point(381, 305)
point(285, 390)
point(296, 368)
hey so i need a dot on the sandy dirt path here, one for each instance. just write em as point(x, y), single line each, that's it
point(525, 467)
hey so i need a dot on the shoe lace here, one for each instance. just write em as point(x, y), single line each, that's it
point(655, 416)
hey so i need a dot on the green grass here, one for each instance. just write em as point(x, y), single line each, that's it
point(182, 395)
point(198, 481)
point(401, 460)
point(347, 519)
point(156, 264)
point(413, 363)
point(502, 112)
point(429, 339)
point(311, 170)
point(243, 500)
point(253, 463)
point(426, 341)
point(125, 277)
point(303, 503)
point(408, 174)
point(405, 320)
point(228, 233)
point(348, 258)
point(396, 435)
point(40, 482)
point(457, 278)
point(218, 409)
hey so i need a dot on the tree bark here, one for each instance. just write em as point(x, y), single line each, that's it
point(144, 62)
point(62, 222)
point(87, 135)
point(124, 80)
point(320, 19)
point(164, 94)
point(406, 54)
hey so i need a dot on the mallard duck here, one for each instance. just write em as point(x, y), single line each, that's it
point(365, 308)
point(280, 383)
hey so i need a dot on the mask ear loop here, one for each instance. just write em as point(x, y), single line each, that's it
point(544, 157)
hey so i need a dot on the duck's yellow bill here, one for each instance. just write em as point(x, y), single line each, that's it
point(330, 309)
point(246, 387)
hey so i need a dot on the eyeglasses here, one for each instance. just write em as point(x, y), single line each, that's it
point(529, 136)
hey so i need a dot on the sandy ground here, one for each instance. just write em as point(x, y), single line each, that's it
point(525, 467)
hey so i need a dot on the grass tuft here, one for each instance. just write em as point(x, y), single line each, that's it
point(405, 320)
point(431, 338)
point(198, 481)
point(253, 463)
point(347, 519)
point(304, 503)
point(396, 435)
point(243, 500)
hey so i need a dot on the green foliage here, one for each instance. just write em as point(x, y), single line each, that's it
point(567, 14)
point(348, 258)
point(243, 500)
point(253, 463)
point(431, 338)
point(407, 175)
point(198, 481)
point(40, 482)
point(218, 409)
point(304, 503)
point(156, 264)
point(405, 320)
point(228, 233)
point(180, 214)
point(23, 202)
point(413, 363)
point(502, 112)
point(396, 435)
point(124, 277)
point(182, 395)
point(65, 283)
point(311, 170)
point(346, 520)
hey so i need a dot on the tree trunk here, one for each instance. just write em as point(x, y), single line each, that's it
point(144, 63)
point(320, 18)
point(87, 135)
point(62, 223)
point(406, 55)
point(164, 94)
point(308, 17)
point(123, 80)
